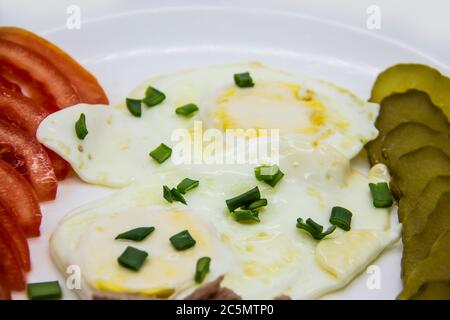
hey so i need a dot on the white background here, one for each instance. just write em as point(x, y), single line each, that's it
point(422, 24)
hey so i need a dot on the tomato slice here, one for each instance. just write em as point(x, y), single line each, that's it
point(31, 159)
point(42, 71)
point(5, 84)
point(27, 86)
point(60, 166)
point(15, 238)
point(18, 197)
point(21, 110)
point(84, 83)
point(5, 293)
point(12, 271)
point(28, 115)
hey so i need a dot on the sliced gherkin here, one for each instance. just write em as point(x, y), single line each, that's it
point(414, 170)
point(435, 268)
point(418, 246)
point(410, 136)
point(414, 211)
point(402, 77)
point(437, 290)
point(411, 106)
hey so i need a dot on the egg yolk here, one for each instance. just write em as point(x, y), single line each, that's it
point(270, 105)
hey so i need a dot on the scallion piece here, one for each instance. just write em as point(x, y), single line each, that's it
point(276, 179)
point(381, 195)
point(132, 258)
point(330, 230)
point(257, 204)
point(264, 173)
point(269, 174)
point(314, 229)
point(182, 240)
point(161, 153)
point(245, 216)
point(186, 185)
point(186, 110)
point(137, 234)
point(244, 199)
point(341, 218)
point(44, 290)
point(134, 106)
point(202, 269)
point(80, 127)
point(167, 194)
point(177, 196)
point(243, 80)
point(153, 97)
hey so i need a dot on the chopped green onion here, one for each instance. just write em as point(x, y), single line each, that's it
point(314, 225)
point(245, 216)
point(276, 179)
point(187, 109)
point(153, 97)
point(243, 199)
point(202, 269)
point(330, 230)
point(182, 240)
point(186, 185)
point(269, 174)
point(341, 218)
point(132, 258)
point(177, 196)
point(172, 195)
point(314, 228)
point(167, 194)
point(134, 106)
point(264, 173)
point(257, 204)
point(381, 195)
point(80, 127)
point(161, 153)
point(137, 234)
point(44, 290)
point(243, 80)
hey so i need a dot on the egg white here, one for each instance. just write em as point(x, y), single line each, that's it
point(259, 261)
point(115, 151)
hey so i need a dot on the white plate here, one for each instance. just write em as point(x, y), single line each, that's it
point(125, 49)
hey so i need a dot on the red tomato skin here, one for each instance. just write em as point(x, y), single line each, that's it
point(5, 84)
point(86, 85)
point(31, 158)
point(13, 273)
point(27, 114)
point(5, 293)
point(21, 110)
point(27, 86)
point(60, 166)
point(15, 237)
point(18, 197)
point(42, 71)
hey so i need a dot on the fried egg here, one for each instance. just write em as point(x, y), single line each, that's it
point(259, 261)
point(115, 151)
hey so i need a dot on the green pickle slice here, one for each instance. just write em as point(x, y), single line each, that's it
point(418, 246)
point(437, 290)
point(434, 269)
point(411, 106)
point(410, 136)
point(415, 169)
point(402, 77)
point(414, 212)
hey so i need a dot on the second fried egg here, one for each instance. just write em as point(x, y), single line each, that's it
point(115, 151)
